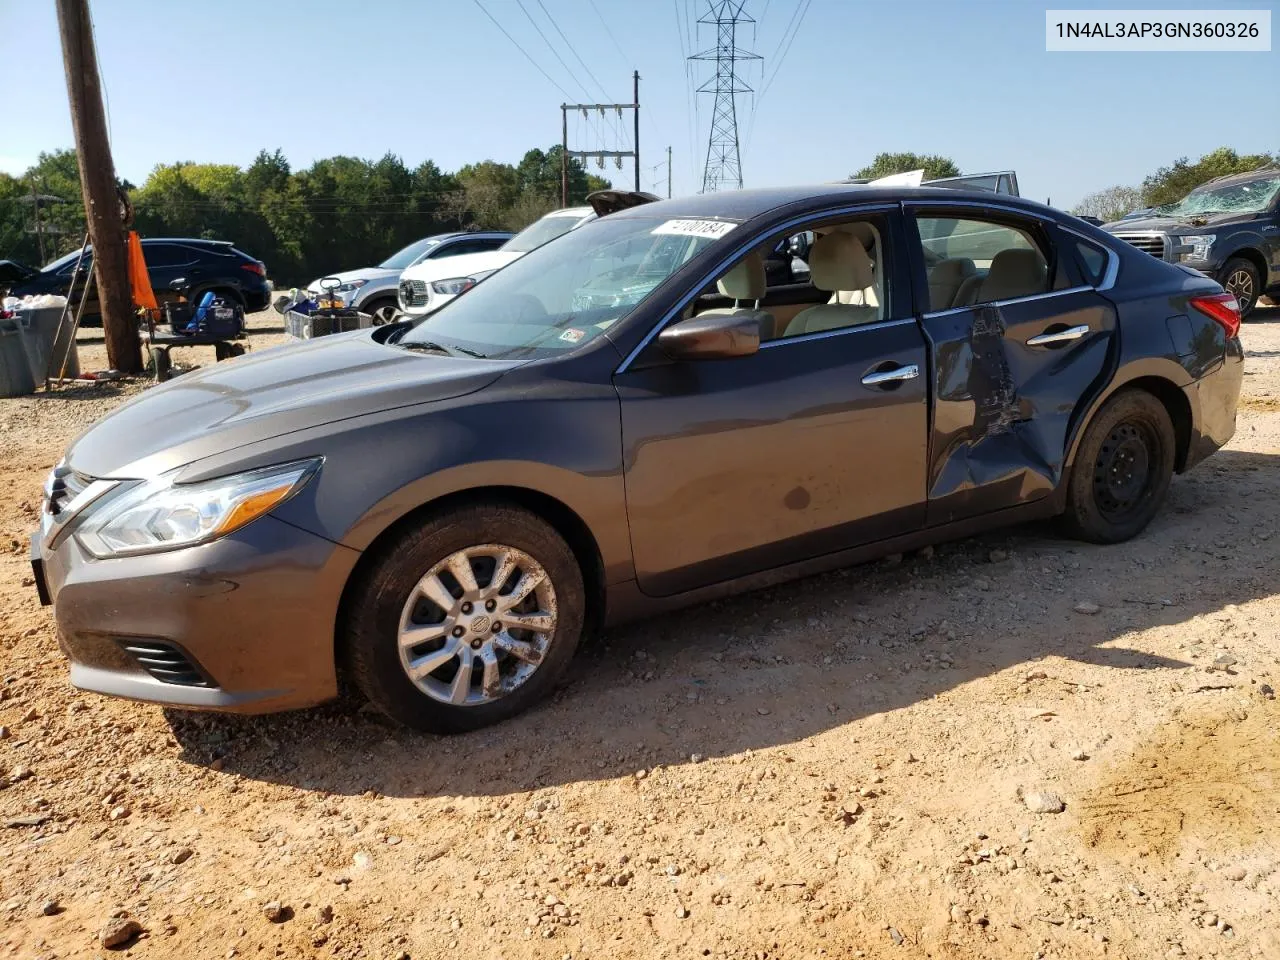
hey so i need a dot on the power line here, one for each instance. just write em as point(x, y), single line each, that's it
point(604, 23)
point(793, 25)
point(554, 52)
point(603, 92)
point(522, 50)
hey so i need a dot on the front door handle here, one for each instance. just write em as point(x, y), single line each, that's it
point(881, 377)
point(1060, 336)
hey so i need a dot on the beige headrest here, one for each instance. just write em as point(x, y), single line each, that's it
point(746, 280)
point(1015, 273)
point(952, 271)
point(838, 261)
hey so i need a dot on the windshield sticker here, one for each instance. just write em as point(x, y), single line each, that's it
point(708, 229)
point(573, 335)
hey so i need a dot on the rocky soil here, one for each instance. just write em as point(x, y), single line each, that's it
point(1010, 747)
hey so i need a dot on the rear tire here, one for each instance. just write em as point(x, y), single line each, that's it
point(420, 682)
point(1122, 470)
point(1240, 279)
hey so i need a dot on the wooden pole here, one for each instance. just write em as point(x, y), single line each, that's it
point(564, 155)
point(98, 184)
point(635, 116)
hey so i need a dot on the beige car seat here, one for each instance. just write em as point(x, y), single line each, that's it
point(838, 263)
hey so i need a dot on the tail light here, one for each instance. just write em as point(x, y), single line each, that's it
point(259, 268)
point(1221, 307)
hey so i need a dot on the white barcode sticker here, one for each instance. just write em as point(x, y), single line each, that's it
point(710, 229)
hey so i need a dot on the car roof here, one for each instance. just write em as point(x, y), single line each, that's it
point(468, 233)
point(197, 241)
point(568, 212)
point(1261, 173)
point(748, 204)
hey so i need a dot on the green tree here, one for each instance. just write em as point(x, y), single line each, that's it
point(1110, 204)
point(1171, 184)
point(934, 165)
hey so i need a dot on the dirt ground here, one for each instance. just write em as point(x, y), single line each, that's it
point(848, 766)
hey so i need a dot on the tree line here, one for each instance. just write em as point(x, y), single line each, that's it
point(339, 213)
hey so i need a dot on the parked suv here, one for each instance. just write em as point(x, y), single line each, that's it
point(205, 264)
point(1228, 228)
point(373, 289)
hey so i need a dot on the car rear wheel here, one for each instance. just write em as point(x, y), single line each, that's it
point(1240, 279)
point(466, 620)
point(383, 311)
point(1122, 470)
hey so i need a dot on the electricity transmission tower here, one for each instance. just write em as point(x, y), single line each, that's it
point(724, 161)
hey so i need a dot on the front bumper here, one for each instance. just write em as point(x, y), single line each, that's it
point(253, 615)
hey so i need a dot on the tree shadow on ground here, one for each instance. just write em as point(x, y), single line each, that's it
point(777, 666)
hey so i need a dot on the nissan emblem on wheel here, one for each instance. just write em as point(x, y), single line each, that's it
point(633, 416)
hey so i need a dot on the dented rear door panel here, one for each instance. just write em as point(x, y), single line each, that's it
point(1004, 407)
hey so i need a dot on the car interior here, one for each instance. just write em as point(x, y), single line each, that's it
point(841, 287)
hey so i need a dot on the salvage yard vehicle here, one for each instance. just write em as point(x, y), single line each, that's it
point(374, 290)
point(1228, 228)
point(625, 421)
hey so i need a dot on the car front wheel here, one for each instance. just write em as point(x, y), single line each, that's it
point(1240, 279)
point(382, 311)
point(1122, 469)
point(466, 620)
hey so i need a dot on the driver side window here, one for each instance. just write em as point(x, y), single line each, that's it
point(833, 279)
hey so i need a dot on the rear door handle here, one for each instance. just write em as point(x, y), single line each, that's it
point(880, 377)
point(1060, 336)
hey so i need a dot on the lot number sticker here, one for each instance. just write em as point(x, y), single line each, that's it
point(709, 229)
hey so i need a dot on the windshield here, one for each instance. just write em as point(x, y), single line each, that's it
point(66, 260)
point(566, 294)
point(1252, 196)
point(540, 232)
point(410, 255)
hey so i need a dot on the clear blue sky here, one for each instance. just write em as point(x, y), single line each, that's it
point(217, 81)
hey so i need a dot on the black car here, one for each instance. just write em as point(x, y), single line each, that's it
point(1229, 228)
point(626, 420)
point(205, 264)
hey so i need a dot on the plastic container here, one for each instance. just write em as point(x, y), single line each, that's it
point(40, 327)
point(15, 370)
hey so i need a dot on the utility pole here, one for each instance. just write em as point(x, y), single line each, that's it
point(668, 173)
point(98, 184)
point(599, 155)
point(724, 160)
point(35, 209)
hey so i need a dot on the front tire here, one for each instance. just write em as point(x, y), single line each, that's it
point(383, 311)
point(1240, 279)
point(1122, 470)
point(465, 620)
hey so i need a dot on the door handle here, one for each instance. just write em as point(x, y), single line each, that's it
point(880, 377)
point(1060, 336)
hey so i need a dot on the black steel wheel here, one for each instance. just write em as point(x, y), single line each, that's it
point(1122, 469)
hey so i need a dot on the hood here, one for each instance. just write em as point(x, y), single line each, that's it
point(279, 391)
point(364, 273)
point(463, 265)
point(1177, 225)
point(11, 271)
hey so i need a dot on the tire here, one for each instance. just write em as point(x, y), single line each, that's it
point(388, 600)
point(1131, 434)
point(383, 311)
point(1240, 277)
point(235, 350)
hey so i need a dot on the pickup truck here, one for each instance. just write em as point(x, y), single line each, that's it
point(1228, 228)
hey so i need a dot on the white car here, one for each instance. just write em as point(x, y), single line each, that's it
point(373, 289)
point(429, 285)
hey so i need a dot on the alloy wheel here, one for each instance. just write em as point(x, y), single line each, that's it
point(384, 315)
point(1240, 285)
point(477, 625)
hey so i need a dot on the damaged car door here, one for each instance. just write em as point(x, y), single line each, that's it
point(1018, 343)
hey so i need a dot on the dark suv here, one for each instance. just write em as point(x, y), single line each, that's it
point(1228, 228)
point(206, 265)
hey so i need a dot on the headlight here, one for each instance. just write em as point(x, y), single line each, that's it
point(453, 287)
point(162, 515)
point(1199, 245)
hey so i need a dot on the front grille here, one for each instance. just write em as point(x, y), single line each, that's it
point(414, 293)
point(1152, 243)
point(167, 663)
point(63, 486)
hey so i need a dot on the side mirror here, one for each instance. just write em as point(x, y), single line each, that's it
point(712, 336)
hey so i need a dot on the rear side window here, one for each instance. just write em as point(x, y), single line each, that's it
point(972, 261)
point(1093, 262)
point(167, 255)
